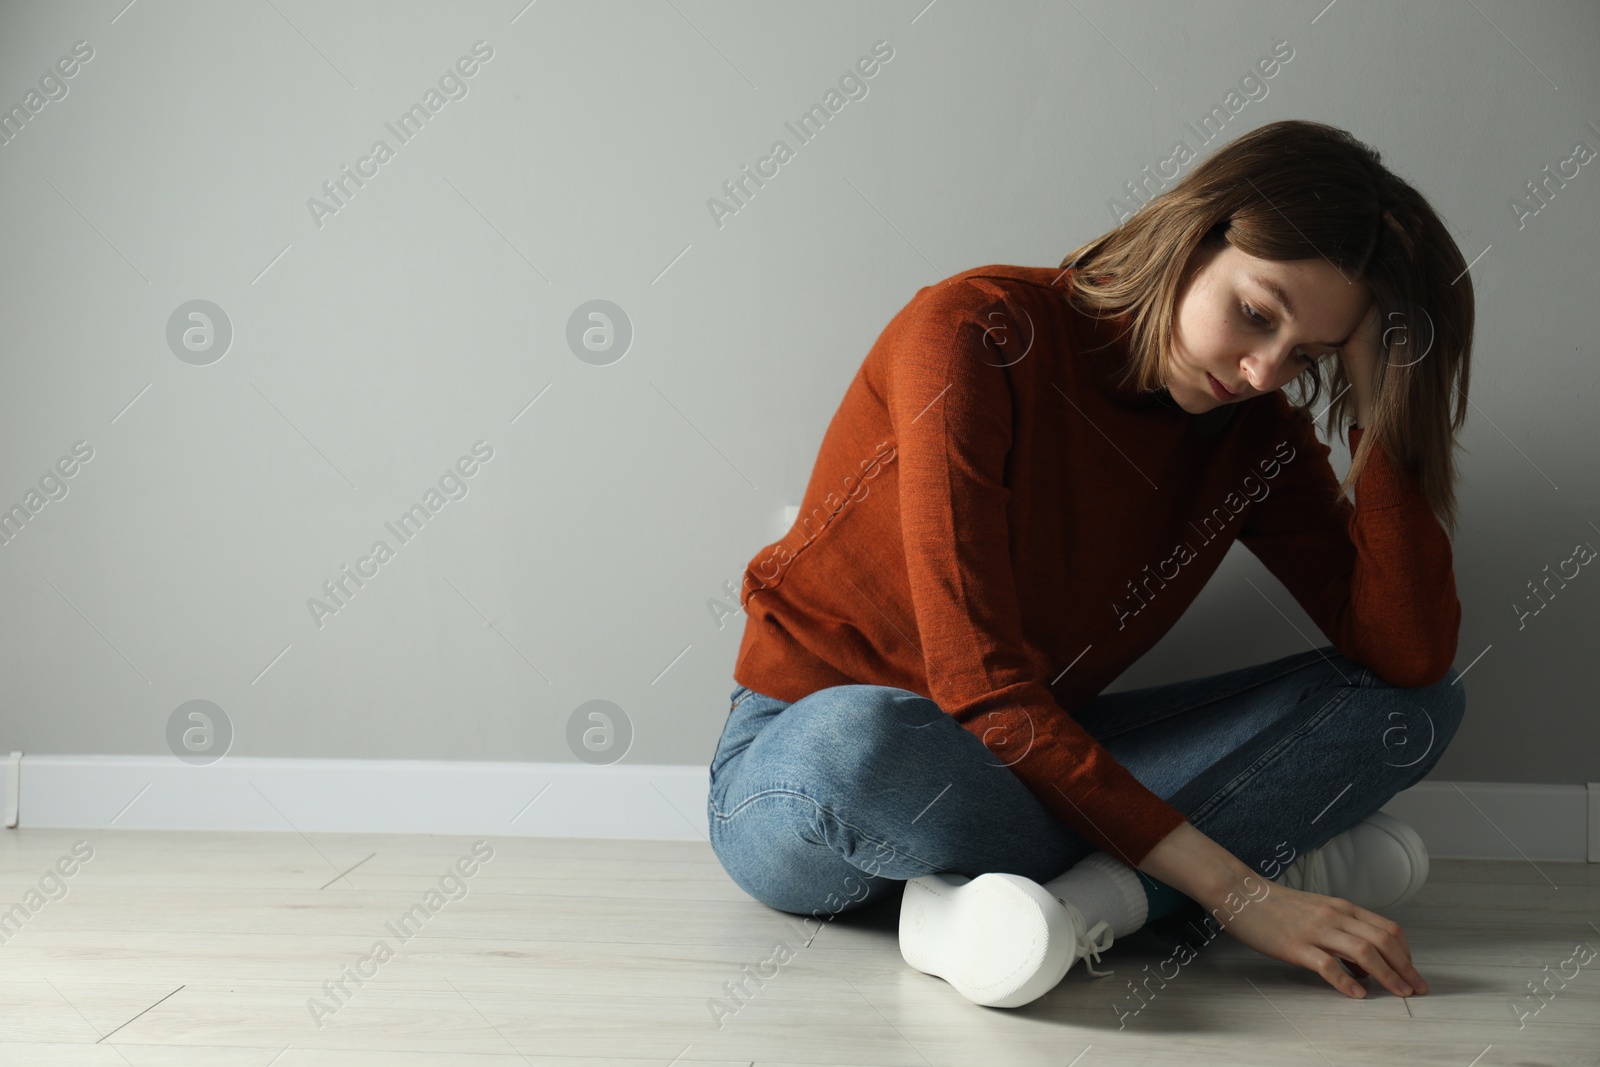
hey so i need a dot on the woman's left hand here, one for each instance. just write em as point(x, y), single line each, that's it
point(1360, 355)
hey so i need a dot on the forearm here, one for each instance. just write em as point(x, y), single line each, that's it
point(1198, 867)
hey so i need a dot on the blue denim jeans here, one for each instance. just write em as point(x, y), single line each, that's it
point(831, 802)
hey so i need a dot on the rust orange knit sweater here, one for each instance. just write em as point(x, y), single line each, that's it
point(995, 524)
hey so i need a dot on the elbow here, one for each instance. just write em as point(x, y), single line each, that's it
point(1434, 658)
point(1416, 664)
point(1427, 668)
point(1418, 655)
point(1416, 675)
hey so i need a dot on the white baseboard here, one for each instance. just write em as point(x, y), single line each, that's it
point(1594, 822)
point(366, 796)
point(10, 782)
point(1458, 820)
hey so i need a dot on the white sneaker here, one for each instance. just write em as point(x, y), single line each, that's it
point(1379, 863)
point(1001, 939)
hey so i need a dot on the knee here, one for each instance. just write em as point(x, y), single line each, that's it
point(770, 855)
point(797, 890)
point(1445, 701)
point(1450, 696)
point(1422, 721)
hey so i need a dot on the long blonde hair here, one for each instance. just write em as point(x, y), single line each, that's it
point(1297, 190)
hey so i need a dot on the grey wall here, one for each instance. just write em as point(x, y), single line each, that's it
point(372, 348)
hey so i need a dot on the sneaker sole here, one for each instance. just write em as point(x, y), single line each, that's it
point(990, 937)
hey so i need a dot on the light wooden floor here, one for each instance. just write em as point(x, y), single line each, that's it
point(203, 948)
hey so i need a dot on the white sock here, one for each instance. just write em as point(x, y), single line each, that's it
point(1103, 888)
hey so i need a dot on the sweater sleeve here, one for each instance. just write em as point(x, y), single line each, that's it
point(1376, 576)
point(949, 396)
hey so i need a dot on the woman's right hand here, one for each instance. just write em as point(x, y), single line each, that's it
point(1316, 932)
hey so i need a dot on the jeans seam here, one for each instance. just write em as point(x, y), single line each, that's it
point(733, 812)
point(1284, 744)
point(1212, 699)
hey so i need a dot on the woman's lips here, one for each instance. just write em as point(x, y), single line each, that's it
point(1219, 390)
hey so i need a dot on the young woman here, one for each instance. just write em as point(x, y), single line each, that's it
point(1032, 475)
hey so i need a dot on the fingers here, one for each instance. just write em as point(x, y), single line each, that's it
point(1328, 934)
point(1402, 963)
point(1374, 919)
point(1334, 974)
point(1400, 976)
point(1375, 951)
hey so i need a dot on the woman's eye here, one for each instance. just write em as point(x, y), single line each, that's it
point(1250, 312)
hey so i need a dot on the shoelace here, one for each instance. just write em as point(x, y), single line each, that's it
point(1092, 943)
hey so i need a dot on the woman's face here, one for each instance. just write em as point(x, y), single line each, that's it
point(1233, 329)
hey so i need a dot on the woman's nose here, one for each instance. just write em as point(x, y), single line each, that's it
point(1263, 369)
